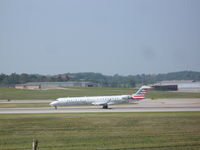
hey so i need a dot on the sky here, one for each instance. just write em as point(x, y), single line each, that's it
point(125, 37)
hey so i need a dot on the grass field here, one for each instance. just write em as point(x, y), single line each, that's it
point(24, 105)
point(11, 93)
point(14, 94)
point(91, 131)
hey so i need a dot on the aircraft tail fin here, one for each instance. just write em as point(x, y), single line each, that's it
point(140, 94)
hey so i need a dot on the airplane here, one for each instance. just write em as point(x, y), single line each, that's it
point(102, 100)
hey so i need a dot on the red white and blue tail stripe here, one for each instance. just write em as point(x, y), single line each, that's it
point(140, 94)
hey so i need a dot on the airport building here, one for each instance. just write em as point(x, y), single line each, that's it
point(45, 85)
point(165, 87)
point(180, 85)
point(30, 87)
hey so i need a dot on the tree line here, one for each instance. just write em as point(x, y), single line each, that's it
point(24, 78)
point(102, 80)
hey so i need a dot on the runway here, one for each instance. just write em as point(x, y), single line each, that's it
point(147, 105)
point(92, 109)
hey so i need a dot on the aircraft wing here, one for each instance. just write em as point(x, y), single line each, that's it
point(100, 103)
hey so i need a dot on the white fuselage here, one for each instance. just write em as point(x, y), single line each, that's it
point(101, 100)
point(95, 100)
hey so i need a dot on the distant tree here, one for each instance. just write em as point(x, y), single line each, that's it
point(12, 79)
point(132, 83)
point(24, 78)
point(2, 77)
point(102, 80)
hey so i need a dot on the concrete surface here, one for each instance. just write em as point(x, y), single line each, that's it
point(147, 105)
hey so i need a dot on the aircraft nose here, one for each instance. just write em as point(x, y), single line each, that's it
point(54, 103)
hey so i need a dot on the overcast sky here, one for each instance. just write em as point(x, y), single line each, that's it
point(106, 36)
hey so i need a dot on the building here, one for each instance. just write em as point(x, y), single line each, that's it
point(180, 85)
point(44, 85)
point(29, 87)
point(165, 87)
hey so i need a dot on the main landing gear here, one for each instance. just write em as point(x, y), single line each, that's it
point(105, 106)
